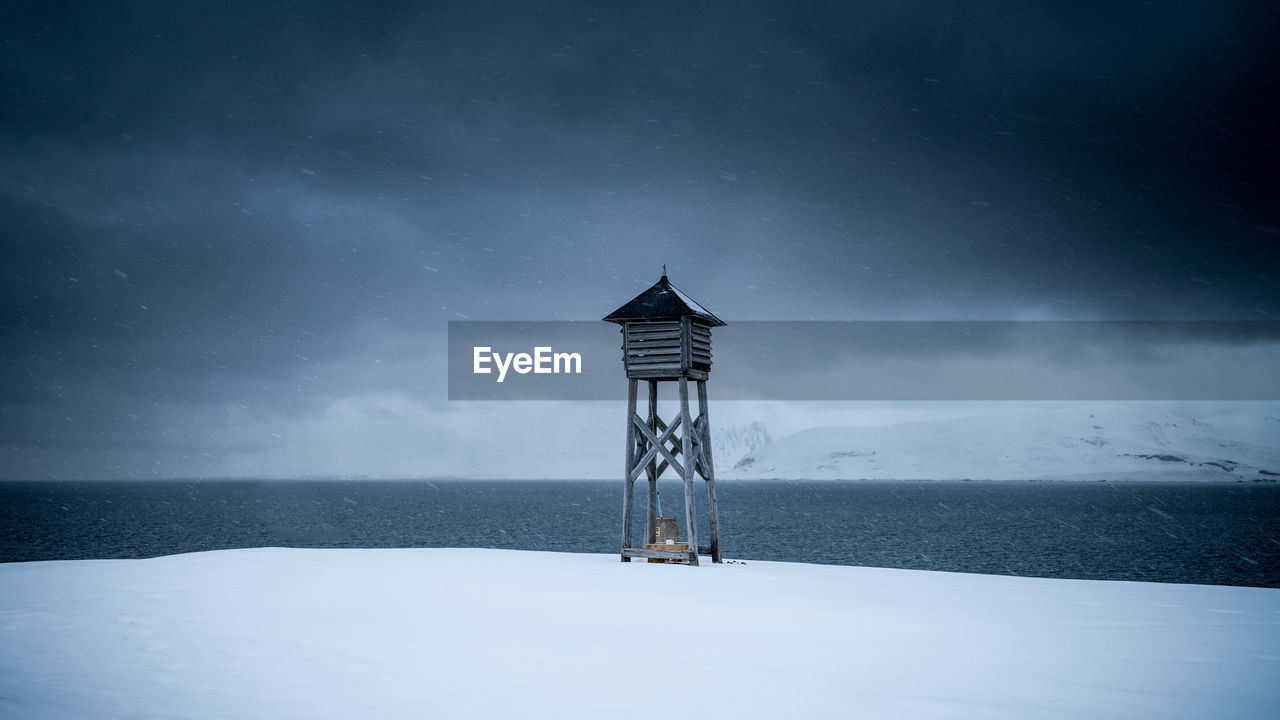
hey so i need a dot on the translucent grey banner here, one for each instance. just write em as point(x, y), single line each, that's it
point(888, 360)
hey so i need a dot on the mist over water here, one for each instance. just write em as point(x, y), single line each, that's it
point(1207, 533)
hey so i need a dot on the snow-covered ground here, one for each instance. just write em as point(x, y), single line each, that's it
point(275, 633)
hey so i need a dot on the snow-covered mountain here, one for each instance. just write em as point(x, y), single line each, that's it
point(1119, 441)
point(729, 445)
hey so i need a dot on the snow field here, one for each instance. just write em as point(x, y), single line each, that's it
point(446, 633)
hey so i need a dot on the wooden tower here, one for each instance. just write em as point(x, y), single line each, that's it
point(666, 337)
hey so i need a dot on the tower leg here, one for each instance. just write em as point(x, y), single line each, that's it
point(651, 527)
point(628, 490)
point(713, 514)
point(690, 514)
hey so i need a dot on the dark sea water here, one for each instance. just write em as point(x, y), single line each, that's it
point(1225, 534)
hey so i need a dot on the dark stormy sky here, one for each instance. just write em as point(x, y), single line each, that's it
point(231, 234)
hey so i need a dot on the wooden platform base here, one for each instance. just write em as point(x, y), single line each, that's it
point(681, 547)
point(662, 553)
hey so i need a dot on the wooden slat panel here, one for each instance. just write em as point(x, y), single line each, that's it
point(677, 546)
point(652, 374)
point(696, 371)
point(693, 373)
point(641, 324)
point(660, 330)
point(657, 360)
point(654, 339)
point(667, 370)
point(667, 554)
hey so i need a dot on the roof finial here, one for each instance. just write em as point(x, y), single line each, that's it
point(664, 271)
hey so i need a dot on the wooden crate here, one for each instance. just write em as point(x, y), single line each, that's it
point(666, 529)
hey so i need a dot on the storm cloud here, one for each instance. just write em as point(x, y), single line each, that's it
point(222, 224)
